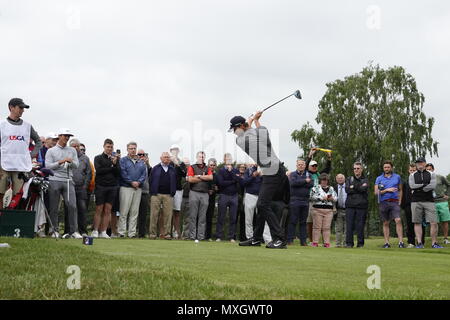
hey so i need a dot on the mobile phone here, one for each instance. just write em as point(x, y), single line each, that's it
point(118, 151)
point(146, 154)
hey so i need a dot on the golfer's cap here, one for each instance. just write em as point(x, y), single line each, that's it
point(430, 165)
point(174, 146)
point(313, 162)
point(51, 135)
point(65, 131)
point(17, 102)
point(236, 122)
point(421, 159)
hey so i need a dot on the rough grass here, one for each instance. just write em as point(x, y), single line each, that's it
point(161, 269)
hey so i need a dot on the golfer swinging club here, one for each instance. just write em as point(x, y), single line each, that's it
point(256, 143)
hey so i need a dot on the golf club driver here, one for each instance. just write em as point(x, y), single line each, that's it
point(296, 94)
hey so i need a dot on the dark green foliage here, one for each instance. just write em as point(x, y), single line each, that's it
point(372, 116)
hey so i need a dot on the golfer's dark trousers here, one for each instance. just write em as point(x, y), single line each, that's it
point(81, 195)
point(241, 217)
point(231, 202)
point(410, 227)
point(355, 219)
point(144, 208)
point(280, 209)
point(298, 214)
point(210, 215)
point(269, 186)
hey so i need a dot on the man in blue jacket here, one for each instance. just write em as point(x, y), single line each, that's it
point(133, 172)
point(163, 187)
point(228, 179)
point(301, 183)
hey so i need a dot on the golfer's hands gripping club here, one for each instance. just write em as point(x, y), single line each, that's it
point(255, 118)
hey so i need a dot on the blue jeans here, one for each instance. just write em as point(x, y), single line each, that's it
point(231, 202)
point(297, 214)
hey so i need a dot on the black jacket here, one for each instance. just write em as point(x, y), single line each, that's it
point(283, 193)
point(422, 185)
point(357, 192)
point(181, 172)
point(106, 173)
point(407, 195)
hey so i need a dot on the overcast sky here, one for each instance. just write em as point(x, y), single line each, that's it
point(165, 72)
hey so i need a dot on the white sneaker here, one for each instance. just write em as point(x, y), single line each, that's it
point(94, 234)
point(41, 233)
point(76, 235)
point(114, 235)
point(175, 235)
point(446, 241)
point(84, 235)
point(104, 235)
point(218, 240)
point(65, 236)
point(410, 246)
point(54, 235)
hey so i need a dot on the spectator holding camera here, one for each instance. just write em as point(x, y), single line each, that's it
point(181, 171)
point(107, 173)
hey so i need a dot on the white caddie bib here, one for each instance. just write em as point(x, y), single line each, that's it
point(15, 142)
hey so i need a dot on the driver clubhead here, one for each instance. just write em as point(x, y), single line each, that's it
point(297, 94)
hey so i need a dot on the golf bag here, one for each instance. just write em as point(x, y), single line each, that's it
point(31, 196)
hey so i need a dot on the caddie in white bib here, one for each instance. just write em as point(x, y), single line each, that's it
point(15, 142)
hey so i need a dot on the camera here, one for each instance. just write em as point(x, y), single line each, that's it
point(118, 151)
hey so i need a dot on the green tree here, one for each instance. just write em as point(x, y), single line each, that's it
point(372, 116)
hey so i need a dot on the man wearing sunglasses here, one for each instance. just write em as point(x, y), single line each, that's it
point(15, 139)
point(356, 205)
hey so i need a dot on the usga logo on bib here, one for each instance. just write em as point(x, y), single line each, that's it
point(18, 138)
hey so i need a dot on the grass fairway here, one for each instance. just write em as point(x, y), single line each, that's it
point(161, 269)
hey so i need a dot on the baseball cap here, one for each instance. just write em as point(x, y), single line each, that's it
point(65, 131)
point(236, 121)
point(17, 102)
point(51, 135)
point(421, 159)
point(174, 146)
point(313, 162)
